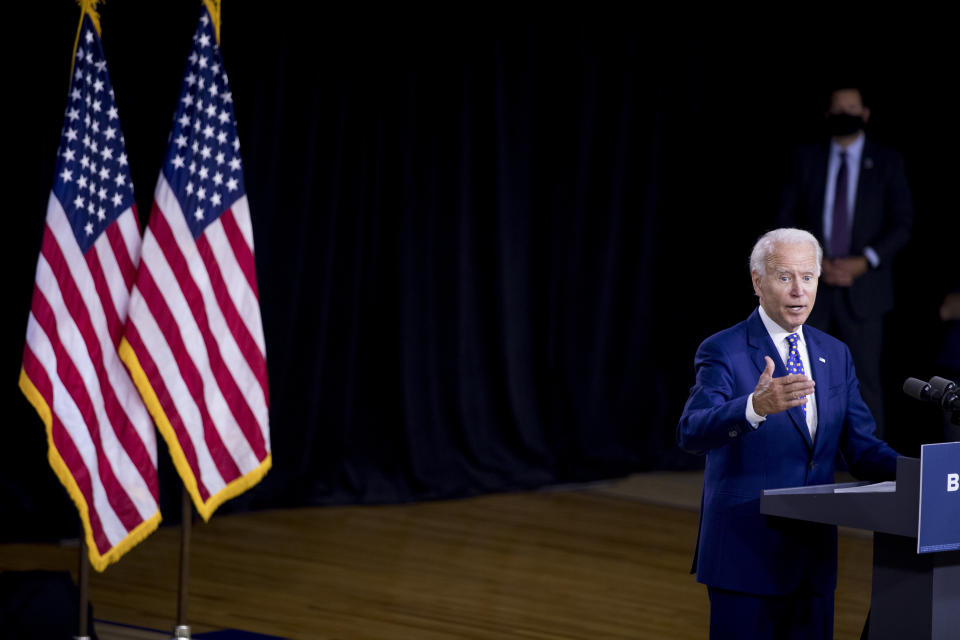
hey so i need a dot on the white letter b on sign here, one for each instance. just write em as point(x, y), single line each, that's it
point(953, 481)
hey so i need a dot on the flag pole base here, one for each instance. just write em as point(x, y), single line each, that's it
point(181, 631)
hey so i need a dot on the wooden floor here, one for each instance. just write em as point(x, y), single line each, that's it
point(586, 562)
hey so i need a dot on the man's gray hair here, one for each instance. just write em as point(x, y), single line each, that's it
point(768, 242)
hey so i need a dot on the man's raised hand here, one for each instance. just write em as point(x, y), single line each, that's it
point(773, 395)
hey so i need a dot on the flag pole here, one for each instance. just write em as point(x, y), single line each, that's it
point(84, 579)
point(182, 630)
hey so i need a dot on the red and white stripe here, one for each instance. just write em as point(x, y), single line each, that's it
point(195, 328)
point(101, 433)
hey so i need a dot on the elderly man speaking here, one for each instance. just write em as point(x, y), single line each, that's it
point(774, 401)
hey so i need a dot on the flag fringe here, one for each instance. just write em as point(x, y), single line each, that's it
point(87, 8)
point(134, 537)
point(231, 490)
point(213, 8)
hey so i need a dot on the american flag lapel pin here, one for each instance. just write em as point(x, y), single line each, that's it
point(822, 359)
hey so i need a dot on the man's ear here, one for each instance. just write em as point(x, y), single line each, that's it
point(865, 114)
point(756, 282)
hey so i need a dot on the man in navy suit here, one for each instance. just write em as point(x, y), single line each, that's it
point(852, 194)
point(774, 402)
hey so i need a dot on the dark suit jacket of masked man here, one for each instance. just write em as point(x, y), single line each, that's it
point(882, 218)
point(882, 221)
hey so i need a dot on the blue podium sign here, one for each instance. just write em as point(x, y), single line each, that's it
point(939, 528)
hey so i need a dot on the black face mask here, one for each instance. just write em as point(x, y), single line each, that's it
point(844, 124)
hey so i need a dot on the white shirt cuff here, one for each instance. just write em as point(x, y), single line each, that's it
point(871, 257)
point(752, 416)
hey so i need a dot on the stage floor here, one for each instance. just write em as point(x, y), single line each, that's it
point(604, 560)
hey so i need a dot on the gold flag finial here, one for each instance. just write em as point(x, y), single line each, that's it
point(213, 8)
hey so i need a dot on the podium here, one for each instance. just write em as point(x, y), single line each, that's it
point(913, 595)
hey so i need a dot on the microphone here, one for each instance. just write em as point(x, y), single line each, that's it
point(942, 392)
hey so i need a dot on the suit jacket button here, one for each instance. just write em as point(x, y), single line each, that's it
point(733, 433)
point(812, 465)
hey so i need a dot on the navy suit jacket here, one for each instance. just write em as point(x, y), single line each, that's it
point(882, 215)
point(738, 548)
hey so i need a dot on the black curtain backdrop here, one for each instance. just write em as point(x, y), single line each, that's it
point(489, 239)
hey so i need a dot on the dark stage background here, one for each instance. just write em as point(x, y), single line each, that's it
point(489, 240)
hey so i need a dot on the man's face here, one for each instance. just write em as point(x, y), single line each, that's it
point(789, 287)
point(850, 102)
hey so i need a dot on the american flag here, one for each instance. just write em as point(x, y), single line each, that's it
point(194, 336)
point(102, 444)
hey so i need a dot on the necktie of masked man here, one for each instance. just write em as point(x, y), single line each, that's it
point(840, 228)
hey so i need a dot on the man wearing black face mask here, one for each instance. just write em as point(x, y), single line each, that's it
point(852, 194)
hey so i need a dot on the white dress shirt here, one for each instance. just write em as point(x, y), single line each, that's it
point(779, 336)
